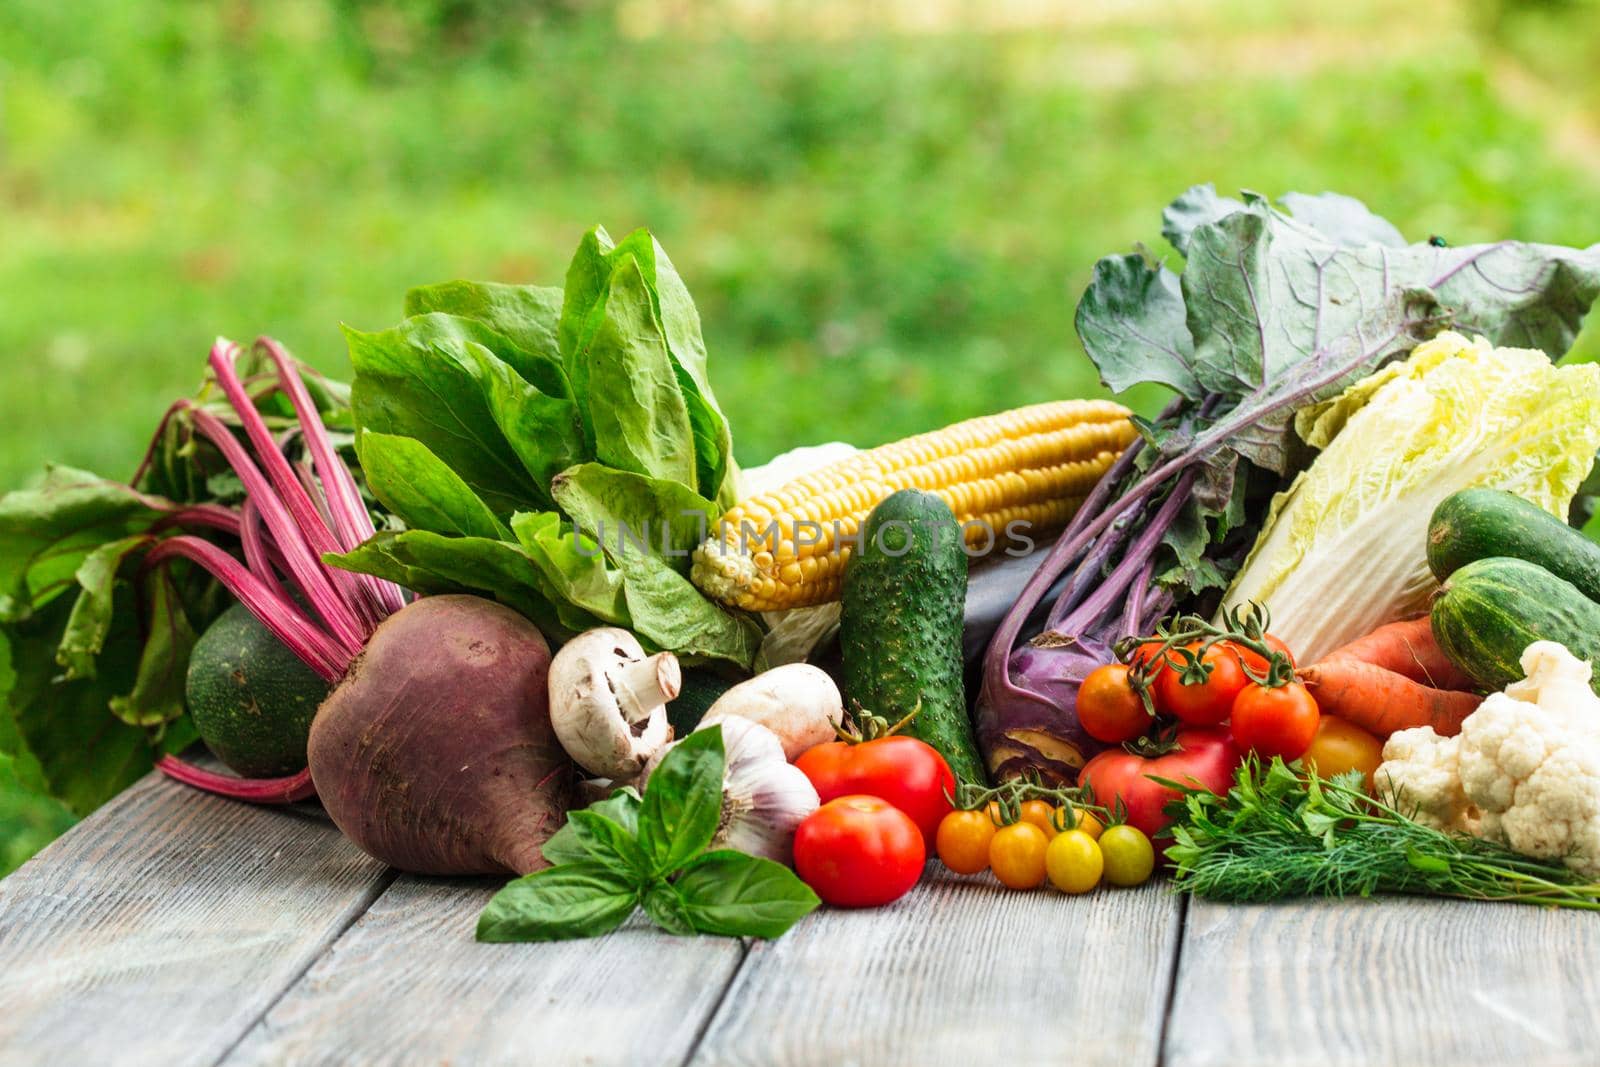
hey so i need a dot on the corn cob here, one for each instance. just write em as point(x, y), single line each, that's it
point(1034, 465)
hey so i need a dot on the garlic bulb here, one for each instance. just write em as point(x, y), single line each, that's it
point(764, 796)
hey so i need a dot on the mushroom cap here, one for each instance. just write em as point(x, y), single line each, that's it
point(608, 701)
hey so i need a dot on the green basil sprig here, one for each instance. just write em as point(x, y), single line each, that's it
point(629, 851)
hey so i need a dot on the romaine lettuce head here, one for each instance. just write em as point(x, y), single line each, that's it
point(1343, 550)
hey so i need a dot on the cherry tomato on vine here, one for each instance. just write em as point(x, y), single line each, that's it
point(1340, 746)
point(1203, 703)
point(1089, 823)
point(963, 841)
point(907, 772)
point(1129, 856)
point(1073, 862)
point(1281, 721)
point(1109, 709)
point(1255, 660)
point(1040, 813)
point(1150, 651)
point(859, 852)
point(1016, 855)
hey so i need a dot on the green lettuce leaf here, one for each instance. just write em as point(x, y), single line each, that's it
point(525, 314)
point(641, 423)
point(427, 495)
point(507, 433)
point(648, 528)
point(464, 390)
point(1343, 548)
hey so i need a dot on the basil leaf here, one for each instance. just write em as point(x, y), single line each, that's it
point(683, 801)
point(666, 908)
point(417, 486)
point(568, 901)
point(604, 832)
point(731, 893)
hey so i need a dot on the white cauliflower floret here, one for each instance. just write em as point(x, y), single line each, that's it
point(1527, 763)
point(1421, 776)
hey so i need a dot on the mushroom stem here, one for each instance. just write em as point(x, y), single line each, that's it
point(642, 685)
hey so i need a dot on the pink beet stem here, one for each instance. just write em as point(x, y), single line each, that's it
point(276, 612)
point(295, 787)
point(351, 522)
point(305, 566)
point(294, 505)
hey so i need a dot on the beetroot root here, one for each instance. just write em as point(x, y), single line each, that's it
point(435, 753)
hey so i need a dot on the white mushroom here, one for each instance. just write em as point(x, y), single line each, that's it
point(608, 702)
point(797, 701)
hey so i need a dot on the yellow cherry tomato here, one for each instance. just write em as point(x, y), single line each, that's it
point(1040, 814)
point(1074, 862)
point(1129, 856)
point(963, 841)
point(1340, 745)
point(1016, 855)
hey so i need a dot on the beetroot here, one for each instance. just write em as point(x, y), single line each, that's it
point(435, 753)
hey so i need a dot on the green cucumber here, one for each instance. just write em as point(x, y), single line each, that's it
point(250, 697)
point(1475, 524)
point(904, 594)
point(1491, 610)
point(700, 689)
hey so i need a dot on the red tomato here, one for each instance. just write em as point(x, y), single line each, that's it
point(1148, 651)
point(1256, 661)
point(1203, 703)
point(1108, 708)
point(859, 852)
point(1204, 755)
point(1275, 722)
point(908, 773)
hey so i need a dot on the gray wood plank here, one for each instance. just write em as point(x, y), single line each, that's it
point(161, 927)
point(1396, 981)
point(959, 972)
point(408, 984)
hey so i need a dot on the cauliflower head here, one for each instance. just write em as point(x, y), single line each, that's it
point(1525, 769)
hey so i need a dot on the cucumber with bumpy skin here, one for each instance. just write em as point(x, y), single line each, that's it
point(904, 593)
point(1475, 524)
point(1492, 609)
point(251, 698)
point(699, 690)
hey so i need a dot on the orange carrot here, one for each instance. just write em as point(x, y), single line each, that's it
point(1408, 649)
point(1383, 701)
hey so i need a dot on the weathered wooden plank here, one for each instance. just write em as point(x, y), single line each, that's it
point(1395, 981)
point(161, 928)
point(959, 972)
point(408, 984)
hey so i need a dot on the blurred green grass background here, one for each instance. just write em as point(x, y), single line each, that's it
point(885, 212)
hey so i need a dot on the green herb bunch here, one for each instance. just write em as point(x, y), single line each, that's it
point(1280, 832)
point(629, 851)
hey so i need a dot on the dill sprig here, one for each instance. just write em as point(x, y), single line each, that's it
point(1282, 833)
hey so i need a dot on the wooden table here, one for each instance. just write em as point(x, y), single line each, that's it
point(175, 928)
